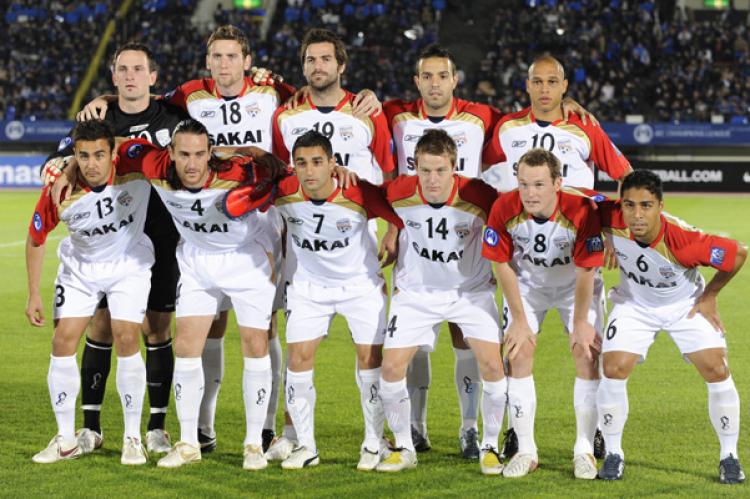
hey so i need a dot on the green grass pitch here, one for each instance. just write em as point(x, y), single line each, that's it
point(670, 446)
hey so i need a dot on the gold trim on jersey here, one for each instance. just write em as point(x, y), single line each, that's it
point(680, 222)
point(463, 205)
point(405, 116)
point(263, 90)
point(288, 113)
point(564, 221)
point(574, 191)
point(218, 183)
point(413, 200)
point(295, 197)
point(577, 131)
point(200, 94)
point(469, 118)
point(128, 177)
point(340, 200)
point(162, 183)
point(662, 249)
point(516, 221)
point(349, 109)
point(77, 194)
point(515, 123)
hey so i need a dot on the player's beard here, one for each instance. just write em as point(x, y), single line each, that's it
point(326, 85)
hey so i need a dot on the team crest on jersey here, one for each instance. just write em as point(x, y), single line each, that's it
point(125, 198)
point(344, 225)
point(134, 150)
point(717, 255)
point(299, 130)
point(412, 138)
point(37, 222)
point(162, 137)
point(252, 110)
point(460, 139)
point(346, 132)
point(295, 221)
point(565, 146)
point(64, 143)
point(462, 229)
point(208, 114)
point(413, 224)
point(518, 143)
point(594, 244)
point(561, 243)
point(80, 216)
point(491, 237)
point(667, 272)
point(138, 128)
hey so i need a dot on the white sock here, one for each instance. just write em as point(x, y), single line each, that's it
point(213, 372)
point(468, 387)
point(724, 411)
point(522, 408)
point(64, 382)
point(256, 391)
point(418, 378)
point(289, 432)
point(188, 392)
point(584, 404)
point(274, 351)
point(613, 408)
point(493, 410)
point(397, 409)
point(131, 385)
point(372, 406)
point(300, 402)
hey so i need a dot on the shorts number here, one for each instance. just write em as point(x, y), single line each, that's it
point(611, 330)
point(391, 326)
point(107, 207)
point(320, 222)
point(59, 296)
point(197, 207)
point(641, 263)
point(540, 245)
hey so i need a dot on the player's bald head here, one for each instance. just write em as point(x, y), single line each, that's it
point(547, 62)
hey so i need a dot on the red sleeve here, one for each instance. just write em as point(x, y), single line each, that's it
point(588, 250)
point(497, 244)
point(477, 193)
point(694, 248)
point(141, 156)
point(487, 114)
point(179, 95)
point(610, 214)
point(390, 109)
point(495, 116)
point(45, 218)
point(382, 143)
point(493, 152)
point(605, 155)
point(285, 90)
point(401, 187)
point(372, 198)
point(279, 147)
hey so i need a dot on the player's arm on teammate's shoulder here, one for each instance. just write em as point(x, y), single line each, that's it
point(707, 303)
point(265, 164)
point(96, 109)
point(570, 106)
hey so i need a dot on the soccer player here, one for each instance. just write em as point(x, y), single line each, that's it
point(337, 271)
point(441, 276)
point(547, 244)
point(661, 289)
point(578, 146)
point(135, 114)
point(107, 253)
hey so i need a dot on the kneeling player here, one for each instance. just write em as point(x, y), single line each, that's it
point(337, 271)
point(661, 289)
point(548, 244)
point(106, 254)
point(441, 276)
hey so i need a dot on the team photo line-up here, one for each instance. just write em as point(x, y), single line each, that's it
point(242, 192)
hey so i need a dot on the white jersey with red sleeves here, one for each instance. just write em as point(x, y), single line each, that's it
point(666, 271)
point(330, 238)
point(440, 246)
point(545, 252)
point(580, 148)
point(361, 144)
point(244, 120)
point(197, 213)
point(468, 123)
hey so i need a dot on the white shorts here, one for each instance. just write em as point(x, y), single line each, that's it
point(310, 309)
point(632, 328)
point(245, 276)
point(537, 301)
point(273, 224)
point(414, 318)
point(125, 281)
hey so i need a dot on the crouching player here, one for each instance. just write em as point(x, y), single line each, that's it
point(337, 271)
point(106, 254)
point(440, 276)
point(547, 242)
point(661, 289)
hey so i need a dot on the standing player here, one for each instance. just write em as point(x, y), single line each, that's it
point(548, 245)
point(107, 253)
point(136, 114)
point(661, 289)
point(337, 271)
point(578, 146)
point(440, 275)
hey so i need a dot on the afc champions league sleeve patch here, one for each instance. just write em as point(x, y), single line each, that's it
point(491, 237)
point(64, 143)
point(134, 150)
point(594, 244)
point(717, 255)
point(37, 222)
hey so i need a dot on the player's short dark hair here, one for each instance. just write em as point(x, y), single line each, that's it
point(643, 179)
point(229, 32)
point(191, 126)
point(435, 50)
point(136, 47)
point(93, 130)
point(319, 35)
point(311, 138)
point(542, 157)
point(436, 142)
